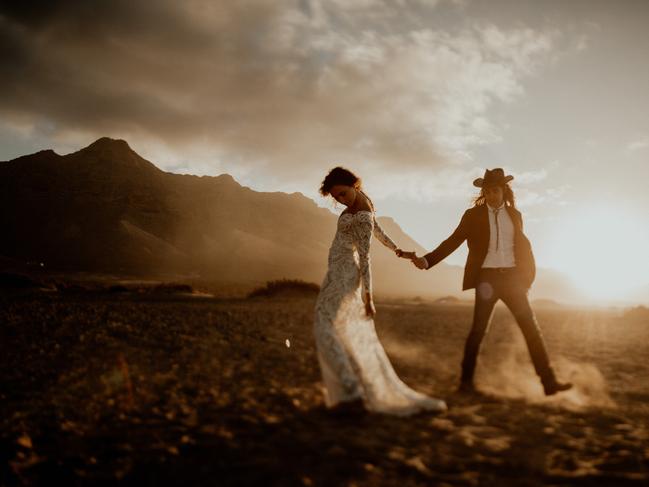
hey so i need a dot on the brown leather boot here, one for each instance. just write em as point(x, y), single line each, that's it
point(466, 387)
point(552, 387)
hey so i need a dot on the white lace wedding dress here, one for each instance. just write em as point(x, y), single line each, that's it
point(352, 360)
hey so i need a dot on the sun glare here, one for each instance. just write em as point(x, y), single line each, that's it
point(602, 249)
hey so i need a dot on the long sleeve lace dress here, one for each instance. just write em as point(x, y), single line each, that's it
point(352, 360)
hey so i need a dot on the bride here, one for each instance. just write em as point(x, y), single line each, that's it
point(357, 373)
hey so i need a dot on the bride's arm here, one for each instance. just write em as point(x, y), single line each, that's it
point(364, 238)
point(382, 237)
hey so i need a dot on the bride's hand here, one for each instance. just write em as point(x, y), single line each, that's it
point(370, 310)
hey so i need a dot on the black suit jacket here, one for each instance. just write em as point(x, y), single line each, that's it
point(474, 228)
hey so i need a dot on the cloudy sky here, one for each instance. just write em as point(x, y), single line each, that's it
point(416, 96)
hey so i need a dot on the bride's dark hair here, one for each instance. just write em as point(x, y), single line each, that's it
point(339, 176)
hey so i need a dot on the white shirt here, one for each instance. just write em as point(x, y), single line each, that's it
point(501, 239)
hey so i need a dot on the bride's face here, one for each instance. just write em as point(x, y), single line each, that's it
point(344, 194)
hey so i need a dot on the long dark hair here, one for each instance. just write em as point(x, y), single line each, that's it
point(508, 196)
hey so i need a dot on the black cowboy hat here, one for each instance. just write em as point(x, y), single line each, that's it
point(492, 177)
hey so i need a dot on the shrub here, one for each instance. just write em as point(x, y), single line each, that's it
point(447, 300)
point(286, 287)
point(172, 288)
point(17, 281)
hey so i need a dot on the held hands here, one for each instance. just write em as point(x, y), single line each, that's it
point(405, 255)
point(419, 262)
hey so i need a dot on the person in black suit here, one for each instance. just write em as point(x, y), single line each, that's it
point(500, 265)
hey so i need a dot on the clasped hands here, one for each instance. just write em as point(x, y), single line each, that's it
point(419, 262)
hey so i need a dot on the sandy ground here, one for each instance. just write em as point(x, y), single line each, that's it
point(153, 389)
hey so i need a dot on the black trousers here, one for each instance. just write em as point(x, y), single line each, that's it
point(505, 284)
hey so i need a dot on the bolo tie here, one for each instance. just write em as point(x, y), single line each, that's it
point(497, 228)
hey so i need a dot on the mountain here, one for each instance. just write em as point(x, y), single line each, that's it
point(104, 208)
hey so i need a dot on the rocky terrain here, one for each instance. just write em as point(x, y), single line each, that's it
point(169, 385)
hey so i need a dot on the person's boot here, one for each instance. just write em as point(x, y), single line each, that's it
point(466, 387)
point(552, 386)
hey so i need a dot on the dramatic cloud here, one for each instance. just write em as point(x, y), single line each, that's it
point(282, 88)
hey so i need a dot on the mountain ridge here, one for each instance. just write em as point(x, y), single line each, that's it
point(105, 208)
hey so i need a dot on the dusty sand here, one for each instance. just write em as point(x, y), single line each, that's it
point(193, 390)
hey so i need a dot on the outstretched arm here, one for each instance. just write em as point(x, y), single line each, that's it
point(382, 237)
point(449, 245)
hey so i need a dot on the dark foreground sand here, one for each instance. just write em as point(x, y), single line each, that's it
point(155, 389)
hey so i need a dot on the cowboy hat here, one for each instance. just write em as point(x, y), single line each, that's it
point(492, 177)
